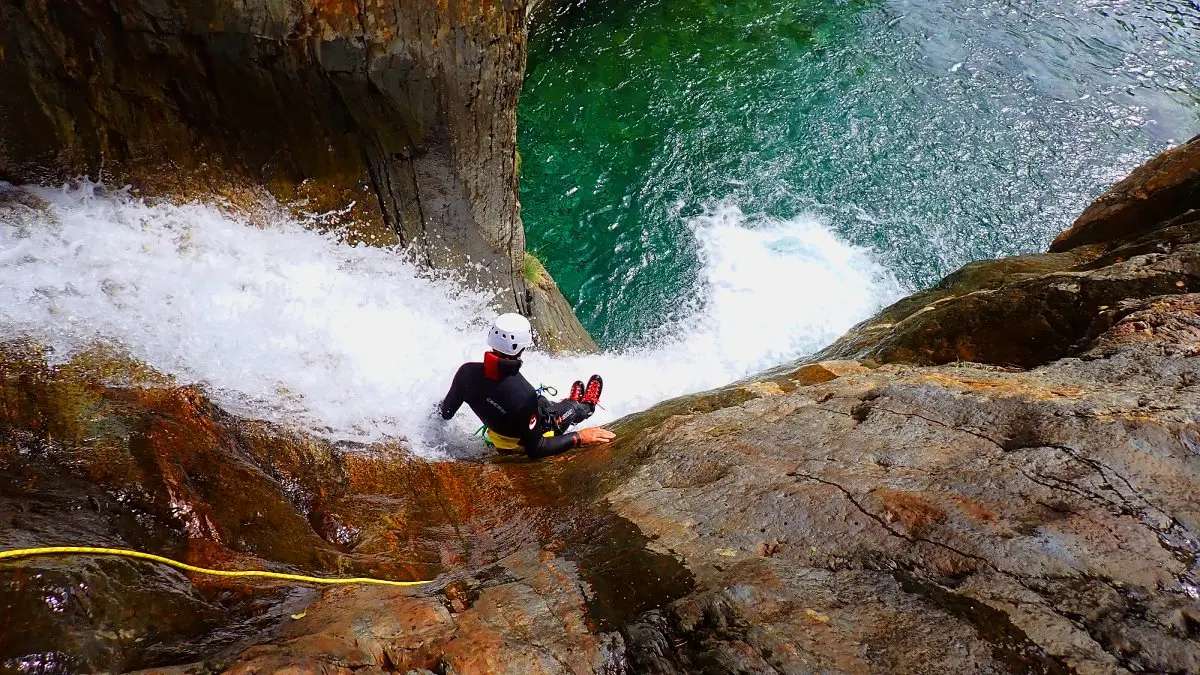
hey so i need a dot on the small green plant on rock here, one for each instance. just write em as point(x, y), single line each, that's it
point(535, 272)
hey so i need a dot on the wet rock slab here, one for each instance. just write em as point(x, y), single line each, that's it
point(102, 452)
point(985, 520)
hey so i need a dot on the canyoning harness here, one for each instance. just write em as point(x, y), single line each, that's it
point(499, 441)
point(507, 443)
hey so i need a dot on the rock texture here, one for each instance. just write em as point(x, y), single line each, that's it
point(394, 122)
point(1032, 510)
point(983, 520)
point(1157, 192)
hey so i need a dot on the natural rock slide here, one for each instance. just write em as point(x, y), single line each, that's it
point(997, 475)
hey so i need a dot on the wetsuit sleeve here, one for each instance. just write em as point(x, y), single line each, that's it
point(545, 446)
point(454, 398)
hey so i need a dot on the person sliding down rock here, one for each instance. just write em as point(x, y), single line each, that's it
point(516, 417)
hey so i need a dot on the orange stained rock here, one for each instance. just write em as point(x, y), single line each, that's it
point(973, 509)
point(1004, 387)
point(912, 510)
point(351, 208)
point(340, 15)
point(824, 371)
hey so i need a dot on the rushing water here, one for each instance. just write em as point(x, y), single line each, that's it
point(932, 132)
point(282, 323)
point(720, 187)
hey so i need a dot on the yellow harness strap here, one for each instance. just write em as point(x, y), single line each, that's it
point(503, 442)
point(508, 443)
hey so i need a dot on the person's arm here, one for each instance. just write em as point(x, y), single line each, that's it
point(545, 446)
point(555, 445)
point(454, 398)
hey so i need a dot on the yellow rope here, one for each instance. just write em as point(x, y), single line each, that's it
point(50, 550)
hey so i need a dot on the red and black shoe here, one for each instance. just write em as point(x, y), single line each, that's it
point(592, 394)
point(576, 391)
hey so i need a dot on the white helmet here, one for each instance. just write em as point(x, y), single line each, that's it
point(510, 334)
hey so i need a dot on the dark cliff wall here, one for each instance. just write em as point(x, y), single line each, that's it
point(407, 110)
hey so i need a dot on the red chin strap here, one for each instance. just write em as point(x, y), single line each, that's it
point(491, 366)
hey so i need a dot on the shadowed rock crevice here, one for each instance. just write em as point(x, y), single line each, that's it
point(1010, 645)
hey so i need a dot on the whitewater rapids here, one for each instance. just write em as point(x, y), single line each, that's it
point(282, 323)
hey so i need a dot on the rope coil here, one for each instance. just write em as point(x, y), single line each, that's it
point(302, 578)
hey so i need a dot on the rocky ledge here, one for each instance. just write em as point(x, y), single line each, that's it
point(998, 475)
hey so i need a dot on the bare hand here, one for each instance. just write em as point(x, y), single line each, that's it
point(594, 435)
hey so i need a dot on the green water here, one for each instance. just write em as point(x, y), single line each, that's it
point(933, 133)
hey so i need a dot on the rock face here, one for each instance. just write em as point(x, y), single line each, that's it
point(983, 520)
point(1159, 191)
point(553, 320)
point(1031, 511)
point(393, 121)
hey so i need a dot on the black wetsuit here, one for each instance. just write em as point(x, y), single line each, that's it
point(506, 402)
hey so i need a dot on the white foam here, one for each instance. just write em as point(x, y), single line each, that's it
point(289, 325)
